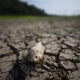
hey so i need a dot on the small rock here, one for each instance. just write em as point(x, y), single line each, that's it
point(53, 58)
point(40, 70)
point(46, 67)
point(34, 74)
point(47, 59)
point(70, 76)
point(56, 76)
point(55, 64)
point(68, 64)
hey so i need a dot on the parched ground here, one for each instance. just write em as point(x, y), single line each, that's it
point(60, 36)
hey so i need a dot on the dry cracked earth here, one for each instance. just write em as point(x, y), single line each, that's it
point(61, 37)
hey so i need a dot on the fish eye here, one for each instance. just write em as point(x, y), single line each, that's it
point(36, 57)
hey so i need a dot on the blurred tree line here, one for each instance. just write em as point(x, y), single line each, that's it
point(15, 7)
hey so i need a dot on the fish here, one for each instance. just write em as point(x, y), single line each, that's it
point(36, 52)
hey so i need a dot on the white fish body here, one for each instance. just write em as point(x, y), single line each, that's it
point(36, 52)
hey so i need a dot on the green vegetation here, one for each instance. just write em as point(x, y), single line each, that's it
point(15, 7)
point(40, 35)
point(47, 17)
point(36, 28)
point(17, 17)
point(23, 55)
point(57, 31)
point(54, 17)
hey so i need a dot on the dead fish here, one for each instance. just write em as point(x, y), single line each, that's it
point(36, 52)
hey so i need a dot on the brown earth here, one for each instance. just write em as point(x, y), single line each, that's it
point(61, 37)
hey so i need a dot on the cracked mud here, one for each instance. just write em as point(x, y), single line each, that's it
point(61, 58)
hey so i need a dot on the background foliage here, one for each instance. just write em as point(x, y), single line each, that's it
point(15, 7)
